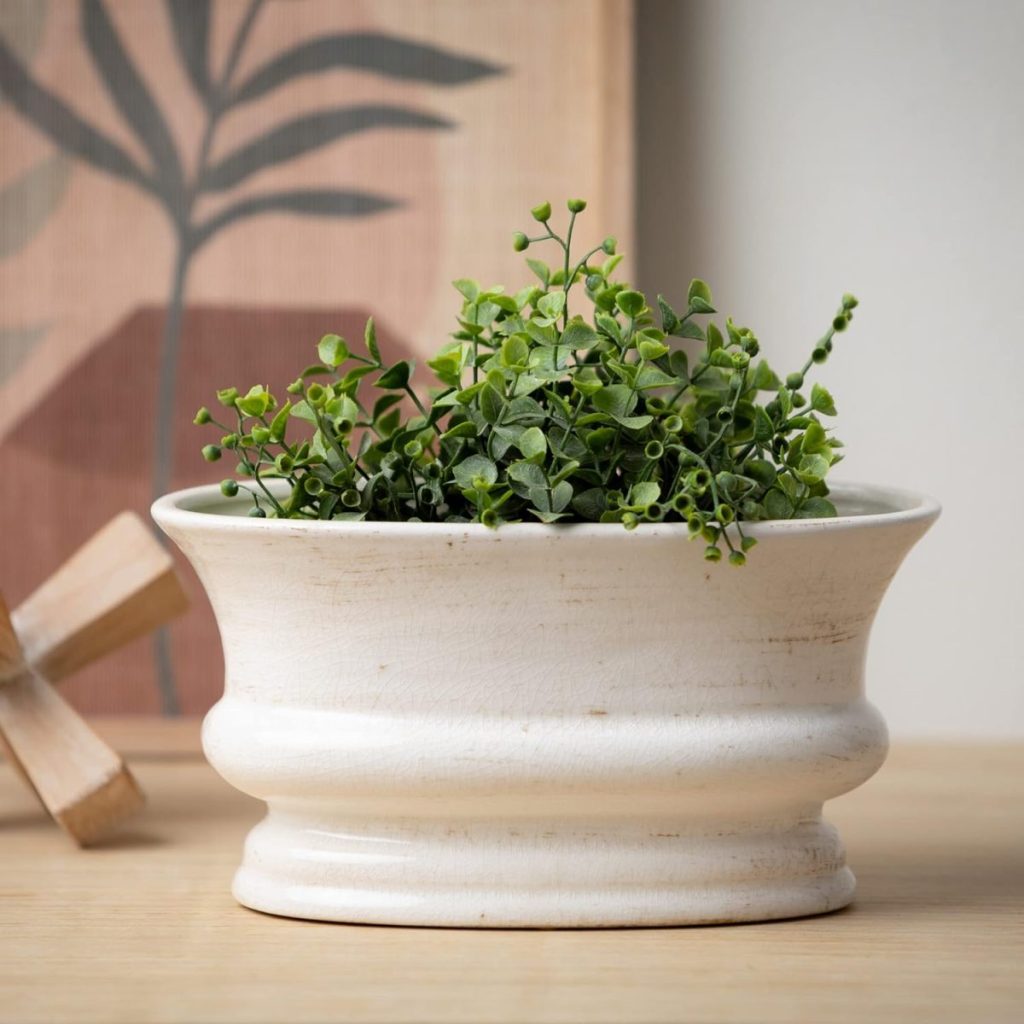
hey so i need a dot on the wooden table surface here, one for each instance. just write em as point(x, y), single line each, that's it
point(145, 929)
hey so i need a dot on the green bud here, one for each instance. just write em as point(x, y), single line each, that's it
point(672, 424)
point(724, 514)
point(747, 543)
point(313, 486)
point(413, 449)
point(654, 450)
point(827, 344)
point(257, 513)
point(227, 397)
point(795, 381)
point(820, 354)
point(520, 242)
point(295, 388)
point(839, 324)
point(576, 205)
point(230, 441)
point(724, 415)
point(316, 394)
point(630, 520)
point(345, 426)
point(284, 463)
point(799, 400)
point(261, 435)
point(351, 498)
point(489, 518)
point(712, 554)
point(737, 558)
point(682, 502)
point(229, 488)
point(656, 405)
point(751, 346)
point(694, 524)
point(202, 416)
point(608, 245)
point(211, 452)
point(849, 302)
point(542, 212)
point(655, 512)
point(594, 281)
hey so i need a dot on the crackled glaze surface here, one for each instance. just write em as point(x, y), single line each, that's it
point(543, 726)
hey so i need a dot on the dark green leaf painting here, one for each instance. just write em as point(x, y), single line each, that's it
point(182, 182)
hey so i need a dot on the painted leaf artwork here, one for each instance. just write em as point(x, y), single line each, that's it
point(194, 188)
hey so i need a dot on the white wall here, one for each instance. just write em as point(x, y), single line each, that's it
point(789, 151)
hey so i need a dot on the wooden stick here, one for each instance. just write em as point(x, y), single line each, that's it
point(82, 782)
point(118, 586)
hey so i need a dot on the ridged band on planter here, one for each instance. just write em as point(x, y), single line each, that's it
point(543, 726)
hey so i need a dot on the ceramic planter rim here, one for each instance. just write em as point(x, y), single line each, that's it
point(196, 508)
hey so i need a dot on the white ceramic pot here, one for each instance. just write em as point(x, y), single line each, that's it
point(543, 726)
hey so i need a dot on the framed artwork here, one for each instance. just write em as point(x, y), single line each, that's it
point(192, 192)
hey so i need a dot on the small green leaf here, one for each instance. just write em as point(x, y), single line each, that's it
point(777, 505)
point(616, 400)
point(669, 317)
point(579, 335)
point(514, 351)
point(821, 401)
point(698, 290)
point(561, 495)
point(467, 428)
point(469, 288)
point(279, 424)
point(764, 429)
point(634, 422)
point(815, 440)
point(763, 379)
point(475, 466)
point(590, 504)
point(257, 402)
point(491, 404)
point(533, 444)
point(552, 304)
point(643, 494)
point(651, 350)
point(395, 377)
point(542, 270)
point(651, 376)
point(631, 303)
point(816, 508)
point(812, 469)
point(370, 338)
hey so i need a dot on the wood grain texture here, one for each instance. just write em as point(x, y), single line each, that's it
point(145, 928)
point(118, 586)
point(77, 777)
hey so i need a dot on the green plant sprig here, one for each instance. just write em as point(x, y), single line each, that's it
point(548, 415)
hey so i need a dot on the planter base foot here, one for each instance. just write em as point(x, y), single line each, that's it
point(512, 875)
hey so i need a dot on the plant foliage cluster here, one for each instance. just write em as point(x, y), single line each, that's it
point(546, 414)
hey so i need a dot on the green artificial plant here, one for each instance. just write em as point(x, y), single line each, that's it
point(547, 414)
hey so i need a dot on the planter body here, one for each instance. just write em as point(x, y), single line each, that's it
point(543, 726)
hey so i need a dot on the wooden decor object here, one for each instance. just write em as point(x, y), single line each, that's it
point(118, 586)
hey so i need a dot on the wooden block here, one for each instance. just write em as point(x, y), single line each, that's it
point(80, 780)
point(118, 586)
